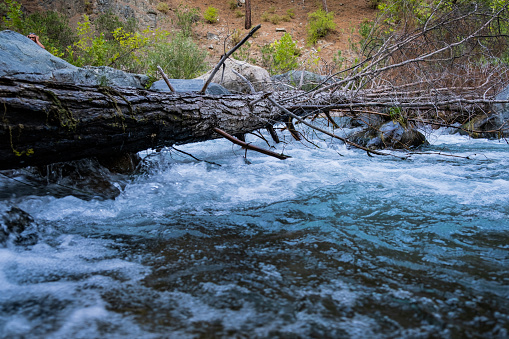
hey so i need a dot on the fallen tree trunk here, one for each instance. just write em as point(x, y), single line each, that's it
point(49, 122)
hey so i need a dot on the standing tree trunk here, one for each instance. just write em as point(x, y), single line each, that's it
point(324, 4)
point(248, 14)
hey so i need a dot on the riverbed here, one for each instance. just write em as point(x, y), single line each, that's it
point(331, 243)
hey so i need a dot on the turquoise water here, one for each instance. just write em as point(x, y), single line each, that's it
point(331, 243)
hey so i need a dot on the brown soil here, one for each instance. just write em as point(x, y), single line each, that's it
point(348, 15)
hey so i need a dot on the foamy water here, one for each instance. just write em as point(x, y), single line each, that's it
point(328, 243)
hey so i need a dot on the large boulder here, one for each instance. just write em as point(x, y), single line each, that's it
point(259, 77)
point(21, 58)
point(389, 135)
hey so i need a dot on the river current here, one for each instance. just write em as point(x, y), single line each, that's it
point(331, 243)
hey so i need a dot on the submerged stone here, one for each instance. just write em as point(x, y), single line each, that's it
point(19, 227)
point(389, 135)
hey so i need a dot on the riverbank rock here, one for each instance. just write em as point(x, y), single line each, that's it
point(259, 77)
point(493, 125)
point(18, 227)
point(21, 58)
point(389, 135)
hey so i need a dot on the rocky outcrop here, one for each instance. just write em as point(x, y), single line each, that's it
point(21, 58)
point(259, 77)
point(389, 135)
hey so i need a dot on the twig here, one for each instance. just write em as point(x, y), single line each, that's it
point(248, 146)
point(165, 79)
point(251, 88)
point(226, 56)
point(195, 158)
point(345, 140)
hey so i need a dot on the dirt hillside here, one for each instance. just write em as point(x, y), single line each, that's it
point(348, 15)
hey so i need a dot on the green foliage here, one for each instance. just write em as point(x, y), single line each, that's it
point(232, 4)
point(163, 7)
point(125, 50)
point(185, 18)
point(52, 28)
point(290, 13)
point(210, 15)
point(107, 22)
point(12, 16)
point(338, 60)
point(320, 24)
point(281, 55)
point(180, 59)
point(239, 13)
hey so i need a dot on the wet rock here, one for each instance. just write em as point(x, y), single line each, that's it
point(493, 125)
point(18, 227)
point(389, 135)
point(483, 127)
point(86, 179)
point(124, 163)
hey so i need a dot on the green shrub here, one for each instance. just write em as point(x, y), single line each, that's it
point(12, 16)
point(180, 59)
point(232, 4)
point(185, 18)
point(290, 13)
point(108, 22)
point(281, 55)
point(320, 24)
point(210, 15)
point(239, 13)
point(163, 7)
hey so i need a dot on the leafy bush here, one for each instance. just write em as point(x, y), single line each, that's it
point(290, 13)
point(232, 4)
point(180, 59)
point(320, 24)
point(107, 22)
point(52, 28)
point(210, 15)
point(281, 55)
point(185, 18)
point(163, 7)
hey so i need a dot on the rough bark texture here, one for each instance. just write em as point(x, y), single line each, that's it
point(44, 123)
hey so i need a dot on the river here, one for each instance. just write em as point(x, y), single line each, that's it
point(331, 243)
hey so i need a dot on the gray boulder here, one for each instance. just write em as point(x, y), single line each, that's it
point(389, 135)
point(259, 77)
point(21, 58)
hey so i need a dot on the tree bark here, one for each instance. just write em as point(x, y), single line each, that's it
point(247, 24)
point(49, 122)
